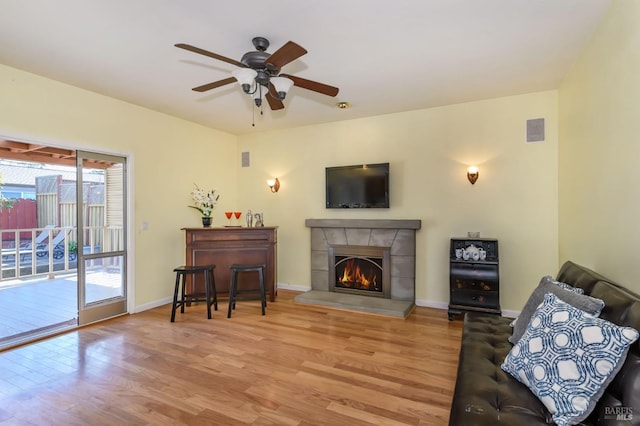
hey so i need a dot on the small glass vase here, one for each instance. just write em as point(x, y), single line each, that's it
point(206, 221)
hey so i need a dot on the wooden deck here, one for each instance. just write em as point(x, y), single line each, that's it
point(38, 306)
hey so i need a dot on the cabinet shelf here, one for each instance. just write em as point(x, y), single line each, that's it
point(482, 262)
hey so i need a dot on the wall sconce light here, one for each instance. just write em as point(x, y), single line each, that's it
point(274, 184)
point(472, 174)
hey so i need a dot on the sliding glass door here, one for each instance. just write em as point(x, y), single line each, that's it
point(63, 234)
point(101, 236)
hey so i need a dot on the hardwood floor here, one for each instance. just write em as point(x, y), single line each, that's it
point(298, 365)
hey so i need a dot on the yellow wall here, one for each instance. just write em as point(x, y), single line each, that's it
point(514, 200)
point(168, 155)
point(599, 110)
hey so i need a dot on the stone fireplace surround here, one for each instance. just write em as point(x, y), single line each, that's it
point(399, 235)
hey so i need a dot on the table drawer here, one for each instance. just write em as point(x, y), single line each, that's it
point(474, 271)
point(473, 284)
point(485, 299)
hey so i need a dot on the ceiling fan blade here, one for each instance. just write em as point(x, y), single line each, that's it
point(210, 54)
point(314, 86)
point(215, 84)
point(287, 53)
point(274, 101)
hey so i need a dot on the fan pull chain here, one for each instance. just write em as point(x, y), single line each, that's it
point(253, 115)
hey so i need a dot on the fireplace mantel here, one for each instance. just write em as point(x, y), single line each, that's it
point(397, 234)
point(364, 223)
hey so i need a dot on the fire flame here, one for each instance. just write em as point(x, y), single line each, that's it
point(353, 274)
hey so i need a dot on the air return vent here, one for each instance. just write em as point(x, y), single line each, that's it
point(535, 130)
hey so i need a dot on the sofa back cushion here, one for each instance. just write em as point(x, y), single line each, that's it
point(579, 276)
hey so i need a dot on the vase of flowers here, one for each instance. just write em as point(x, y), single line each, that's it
point(204, 202)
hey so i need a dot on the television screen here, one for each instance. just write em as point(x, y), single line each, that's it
point(357, 187)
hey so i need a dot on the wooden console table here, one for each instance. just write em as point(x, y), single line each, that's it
point(229, 245)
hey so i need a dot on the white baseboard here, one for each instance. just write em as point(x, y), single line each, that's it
point(168, 300)
point(293, 287)
point(509, 313)
point(154, 304)
point(432, 304)
point(419, 302)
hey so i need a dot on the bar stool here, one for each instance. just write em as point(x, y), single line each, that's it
point(209, 284)
point(233, 286)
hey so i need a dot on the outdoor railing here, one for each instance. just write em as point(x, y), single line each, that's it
point(49, 250)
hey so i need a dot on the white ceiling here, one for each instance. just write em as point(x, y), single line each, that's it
point(384, 56)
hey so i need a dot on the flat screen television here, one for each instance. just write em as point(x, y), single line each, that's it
point(357, 187)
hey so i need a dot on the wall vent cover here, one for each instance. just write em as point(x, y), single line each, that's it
point(245, 159)
point(535, 130)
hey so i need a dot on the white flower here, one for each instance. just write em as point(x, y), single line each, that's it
point(204, 201)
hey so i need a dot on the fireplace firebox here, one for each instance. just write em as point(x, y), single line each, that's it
point(363, 270)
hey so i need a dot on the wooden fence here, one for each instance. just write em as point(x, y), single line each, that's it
point(22, 215)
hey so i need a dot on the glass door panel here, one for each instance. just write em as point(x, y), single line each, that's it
point(104, 279)
point(102, 259)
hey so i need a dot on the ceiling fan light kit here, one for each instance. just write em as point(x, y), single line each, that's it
point(257, 95)
point(245, 77)
point(258, 73)
point(282, 86)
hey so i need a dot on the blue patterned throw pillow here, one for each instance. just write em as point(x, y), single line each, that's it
point(568, 358)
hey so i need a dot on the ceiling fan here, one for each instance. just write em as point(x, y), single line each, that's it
point(259, 75)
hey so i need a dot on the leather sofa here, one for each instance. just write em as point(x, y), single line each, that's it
point(486, 395)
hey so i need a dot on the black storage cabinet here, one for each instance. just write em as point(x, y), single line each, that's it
point(474, 282)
